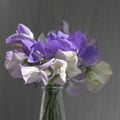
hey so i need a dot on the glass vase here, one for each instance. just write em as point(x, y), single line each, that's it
point(52, 107)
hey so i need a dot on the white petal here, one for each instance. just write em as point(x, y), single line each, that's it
point(44, 77)
point(95, 82)
point(103, 68)
point(72, 61)
point(102, 78)
point(65, 55)
point(60, 67)
point(72, 69)
point(30, 74)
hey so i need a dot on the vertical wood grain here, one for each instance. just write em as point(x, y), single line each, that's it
point(100, 19)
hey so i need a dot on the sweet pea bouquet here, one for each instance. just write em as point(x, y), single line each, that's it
point(59, 58)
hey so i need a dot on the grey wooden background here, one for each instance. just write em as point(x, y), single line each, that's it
point(100, 19)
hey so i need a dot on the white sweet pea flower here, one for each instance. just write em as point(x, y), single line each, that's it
point(52, 71)
point(32, 74)
point(72, 60)
point(12, 61)
point(98, 76)
point(59, 68)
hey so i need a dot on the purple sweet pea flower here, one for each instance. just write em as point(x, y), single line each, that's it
point(87, 53)
point(24, 37)
point(57, 41)
point(22, 33)
point(60, 58)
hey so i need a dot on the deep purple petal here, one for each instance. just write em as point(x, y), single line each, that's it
point(22, 29)
point(62, 35)
point(36, 52)
point(66, 45)
point(26, 45)
point(39, 46)
point(78, 39)
point(51, 48)
point(16, 38)
point(51, 36)
point(89, 54)
point(33, 58)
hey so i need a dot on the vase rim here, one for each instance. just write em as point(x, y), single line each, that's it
point(52, 87)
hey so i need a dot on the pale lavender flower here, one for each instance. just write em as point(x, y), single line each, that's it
point(12, 60)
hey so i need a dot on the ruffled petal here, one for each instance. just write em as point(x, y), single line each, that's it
point(26, 45)
point(30, 74)
point(51, 48)
point(33, 74)
point(59, 66)
point(78, 39)
point(34, 56)
point(22, 29)
point(72, 60)
point(16, 38)
point(66, 45)
point(36, 52)
point(62, 35)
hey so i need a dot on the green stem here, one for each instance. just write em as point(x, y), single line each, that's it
point(52, 108)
